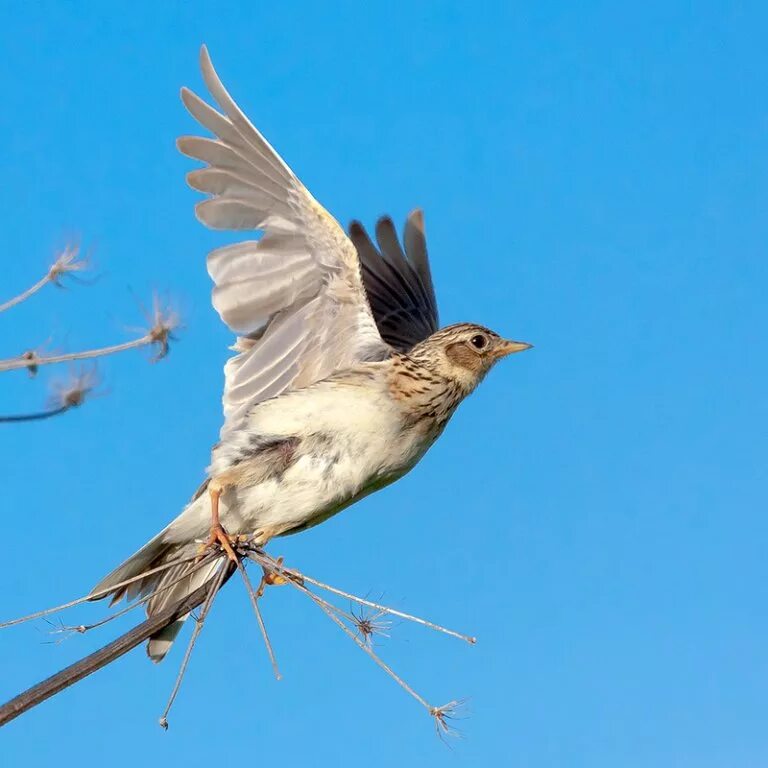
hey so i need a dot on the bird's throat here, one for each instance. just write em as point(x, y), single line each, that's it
point(424, 395)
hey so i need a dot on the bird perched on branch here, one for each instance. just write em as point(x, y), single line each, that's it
point(341, 380)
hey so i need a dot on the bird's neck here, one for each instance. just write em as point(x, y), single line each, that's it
point(424, 394)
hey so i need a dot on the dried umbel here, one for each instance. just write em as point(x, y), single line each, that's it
point(73, 390)
point(369, 624)
point(360, 624)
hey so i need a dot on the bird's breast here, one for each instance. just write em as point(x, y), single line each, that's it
point(350, 443)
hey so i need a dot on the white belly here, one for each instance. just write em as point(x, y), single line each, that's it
point(353, 442)
point(313, 488)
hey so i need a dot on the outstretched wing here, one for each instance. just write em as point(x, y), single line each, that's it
point(398, 284)
point(294, 297)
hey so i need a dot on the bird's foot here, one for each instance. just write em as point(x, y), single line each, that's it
point(219, 538)
point(276, 578)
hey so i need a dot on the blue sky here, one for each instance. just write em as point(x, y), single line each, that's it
point(594, 181)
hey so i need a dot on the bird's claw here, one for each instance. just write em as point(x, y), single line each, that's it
point(276, 578)
point(219, 538)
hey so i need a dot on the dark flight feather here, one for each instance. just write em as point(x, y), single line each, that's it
point(398, 283)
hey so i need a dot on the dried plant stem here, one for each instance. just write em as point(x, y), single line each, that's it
point(24, 295)
point(393, 612)
point(83, 628)
point(66, 263)
point(441, 714)
point(94, 595)
point(214, 588)
point(254, 598)
point(361, 601)
point(27, 361)
point(205, 595)
point(98, 659)
point(331, 611)
point(35, 416)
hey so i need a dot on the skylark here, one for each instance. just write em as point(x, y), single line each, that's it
point(341, 380)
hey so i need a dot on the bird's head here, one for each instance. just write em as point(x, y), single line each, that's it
point(464, 353)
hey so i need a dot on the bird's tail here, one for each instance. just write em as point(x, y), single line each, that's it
point(167, 586)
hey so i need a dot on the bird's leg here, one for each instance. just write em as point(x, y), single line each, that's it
point(218, 535)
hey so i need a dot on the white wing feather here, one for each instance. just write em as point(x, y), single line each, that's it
point(295, 297)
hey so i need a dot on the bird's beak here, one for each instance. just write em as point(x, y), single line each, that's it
point(508, 347)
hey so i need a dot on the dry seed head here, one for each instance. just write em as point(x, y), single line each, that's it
point(165, 320)
point(67, 262)
point(72, 391)
point(443, 717)
point(369, 624)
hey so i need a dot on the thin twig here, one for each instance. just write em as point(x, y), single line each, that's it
point(385, 609)
point(83, 628)
point(331, 611)
point(254, 597)
point(206, 595)
point(95, 595)
point(438, 714)
point(24, 295)
point(66, 393)
point(27, 360)
point(164, 322)
point(98, 659)
point(215, 586)
point(35, 416)
point(392, 611)
point(67, 261)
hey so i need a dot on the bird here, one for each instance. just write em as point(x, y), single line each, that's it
point(341, 379)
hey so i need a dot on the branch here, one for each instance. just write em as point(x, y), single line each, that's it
point(95, 661)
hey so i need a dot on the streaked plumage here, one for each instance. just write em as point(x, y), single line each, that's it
point(341, 380)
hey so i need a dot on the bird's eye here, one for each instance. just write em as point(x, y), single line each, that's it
point(479, 341)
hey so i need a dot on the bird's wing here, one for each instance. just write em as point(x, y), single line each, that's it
point(398, 283)
point(294, 297)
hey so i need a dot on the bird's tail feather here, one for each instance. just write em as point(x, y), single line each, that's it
point(177, 582)
point(167, 586)
point(151, 555)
